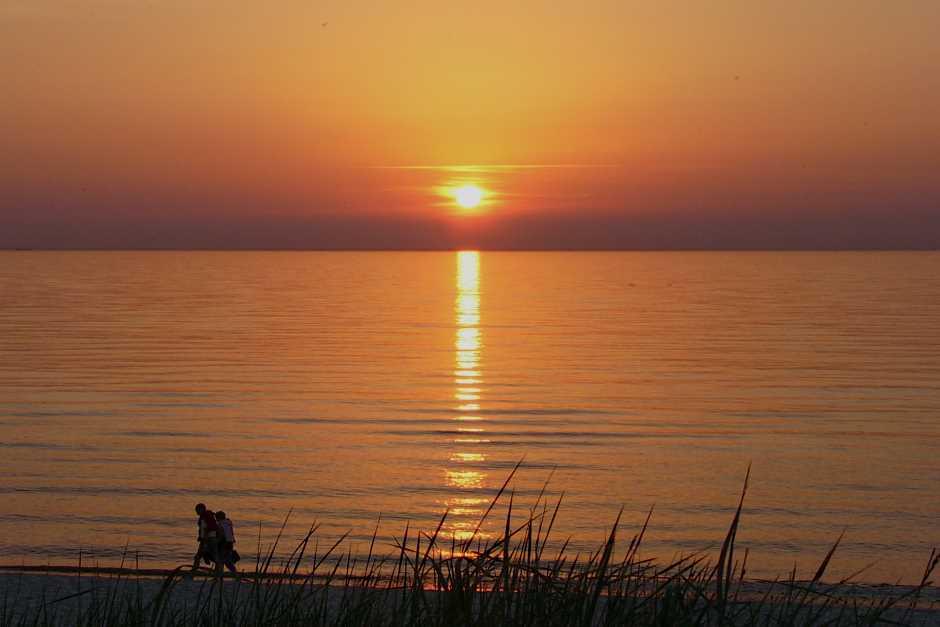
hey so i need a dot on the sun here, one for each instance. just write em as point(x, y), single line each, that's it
point(468, 196)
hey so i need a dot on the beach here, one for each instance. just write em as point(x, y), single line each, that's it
point(62, 595)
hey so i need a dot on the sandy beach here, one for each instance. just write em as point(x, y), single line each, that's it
point(59, 593)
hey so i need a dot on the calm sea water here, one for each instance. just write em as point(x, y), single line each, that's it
point(345, 385)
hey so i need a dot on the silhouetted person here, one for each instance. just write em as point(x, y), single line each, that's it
point(208, 536)
point(226, 541)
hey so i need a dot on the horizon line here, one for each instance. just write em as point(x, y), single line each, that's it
point(476, 249)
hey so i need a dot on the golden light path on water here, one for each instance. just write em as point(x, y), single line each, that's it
point(261, 382)
point(466, 506)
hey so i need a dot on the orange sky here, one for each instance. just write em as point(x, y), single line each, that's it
point(164, 123)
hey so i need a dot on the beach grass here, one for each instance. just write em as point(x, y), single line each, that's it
point(513, 578)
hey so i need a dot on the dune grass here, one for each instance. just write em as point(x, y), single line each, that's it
point(508, 580)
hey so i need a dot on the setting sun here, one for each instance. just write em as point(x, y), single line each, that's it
point(468, 196)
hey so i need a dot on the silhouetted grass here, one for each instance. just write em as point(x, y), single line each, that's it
point(509, 580)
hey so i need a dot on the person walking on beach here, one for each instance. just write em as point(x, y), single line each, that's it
point(227, 552)
point(208, 530)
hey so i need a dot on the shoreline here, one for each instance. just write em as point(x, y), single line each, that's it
point(77, 572)
point(60, 594)
point(861, 590)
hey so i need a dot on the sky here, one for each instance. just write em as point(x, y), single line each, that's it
point(594, 124)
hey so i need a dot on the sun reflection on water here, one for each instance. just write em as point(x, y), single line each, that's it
point(464, 474)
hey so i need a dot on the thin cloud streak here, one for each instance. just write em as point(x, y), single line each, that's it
point(493, 168)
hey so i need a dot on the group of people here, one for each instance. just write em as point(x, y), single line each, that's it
point(216, 536)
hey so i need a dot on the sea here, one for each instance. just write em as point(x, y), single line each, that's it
point(363, 392)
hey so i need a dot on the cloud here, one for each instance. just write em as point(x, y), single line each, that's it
point(492, 168)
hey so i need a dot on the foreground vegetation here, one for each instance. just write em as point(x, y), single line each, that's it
point(510, 580)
